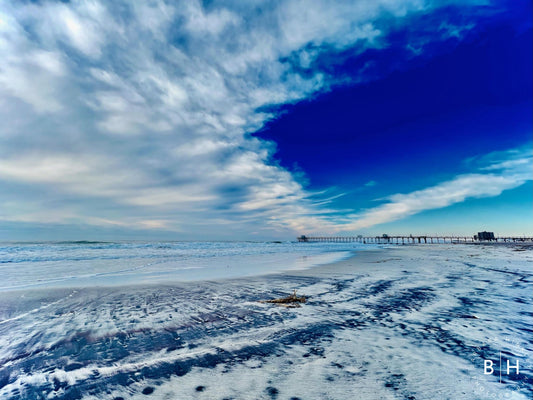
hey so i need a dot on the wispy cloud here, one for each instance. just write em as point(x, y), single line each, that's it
point(137, 114)
point(508, 170)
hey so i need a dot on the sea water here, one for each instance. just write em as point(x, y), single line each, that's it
point(86, 264)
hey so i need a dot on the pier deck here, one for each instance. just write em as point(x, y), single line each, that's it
point(422, 239)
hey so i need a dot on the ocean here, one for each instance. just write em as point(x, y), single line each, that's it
point(86, 264)
point(133, 320)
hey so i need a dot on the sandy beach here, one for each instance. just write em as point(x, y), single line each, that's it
point(404, 322)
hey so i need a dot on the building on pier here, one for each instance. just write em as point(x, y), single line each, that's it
point(485, 236)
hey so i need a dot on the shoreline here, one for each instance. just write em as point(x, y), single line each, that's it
point(361, 259)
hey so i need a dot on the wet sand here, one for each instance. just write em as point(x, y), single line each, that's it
point(406, 322)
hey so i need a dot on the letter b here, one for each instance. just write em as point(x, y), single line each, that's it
point(488, 366)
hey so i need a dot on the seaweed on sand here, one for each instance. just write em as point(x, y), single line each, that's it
point(291, 301)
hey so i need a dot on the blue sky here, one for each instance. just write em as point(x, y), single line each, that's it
point(223, 120)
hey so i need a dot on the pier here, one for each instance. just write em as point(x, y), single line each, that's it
point(411, 239)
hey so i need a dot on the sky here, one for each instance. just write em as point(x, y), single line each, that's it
point(230, 120)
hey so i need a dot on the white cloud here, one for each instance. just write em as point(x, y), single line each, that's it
point(28, 72)
point(201, 22)
point(82, 25)
point(513, 173)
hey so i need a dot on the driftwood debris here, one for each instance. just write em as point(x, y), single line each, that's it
point(291, 301)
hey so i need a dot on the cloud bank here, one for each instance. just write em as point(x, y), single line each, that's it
point(138, 114)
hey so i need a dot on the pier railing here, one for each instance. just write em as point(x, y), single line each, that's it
point(422, 239)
